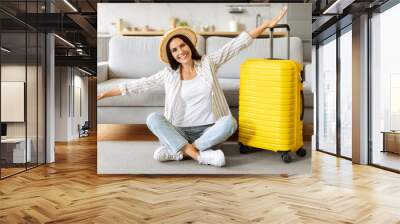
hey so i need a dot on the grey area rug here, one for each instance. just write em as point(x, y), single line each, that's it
point(136, 157)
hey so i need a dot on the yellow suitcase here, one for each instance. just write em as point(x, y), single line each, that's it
point(271, 106)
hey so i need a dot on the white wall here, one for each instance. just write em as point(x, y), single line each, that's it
point(33, 126)
point(17, 73)
point(14, 73)
point(79, 117)
point(61, 103)
point(158, 16)
point(67, 113)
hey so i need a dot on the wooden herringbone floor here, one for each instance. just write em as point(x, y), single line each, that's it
point(70, 191)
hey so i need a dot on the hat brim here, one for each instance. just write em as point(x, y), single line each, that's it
point(185, 31)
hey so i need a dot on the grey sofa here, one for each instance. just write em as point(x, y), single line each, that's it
point(136, 57)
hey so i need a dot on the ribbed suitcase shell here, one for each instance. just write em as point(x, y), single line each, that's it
point(270, 105)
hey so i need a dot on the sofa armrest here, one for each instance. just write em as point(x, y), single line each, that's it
point(102, 71)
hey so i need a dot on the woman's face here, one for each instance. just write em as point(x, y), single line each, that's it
point(180, 51)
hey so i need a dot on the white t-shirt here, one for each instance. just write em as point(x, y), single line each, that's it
point(194, 104)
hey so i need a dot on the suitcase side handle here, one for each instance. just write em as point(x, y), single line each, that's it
point(302, 105)
point(272, 39)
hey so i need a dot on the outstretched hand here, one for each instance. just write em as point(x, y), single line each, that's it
point(100, 96)
point(276, 19)
point(268, 24)
point(109, 93)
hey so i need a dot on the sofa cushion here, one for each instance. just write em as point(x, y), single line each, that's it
point(259, 49)
point(137, 56)
point(231, 90)
point(156, 97)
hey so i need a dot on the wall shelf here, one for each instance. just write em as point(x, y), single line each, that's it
point(123, 32)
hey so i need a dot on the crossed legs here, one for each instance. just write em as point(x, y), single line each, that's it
point(177, 139)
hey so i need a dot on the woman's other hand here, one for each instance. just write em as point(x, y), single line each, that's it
point(268, 24)
point(276, 19)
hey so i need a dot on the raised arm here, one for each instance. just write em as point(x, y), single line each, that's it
point(230, 49)
point(233, 47)
point(137, 85)
point(268, 24)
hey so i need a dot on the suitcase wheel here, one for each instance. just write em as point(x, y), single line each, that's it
point(286, 157)
point(245, 149)
point(301, 152)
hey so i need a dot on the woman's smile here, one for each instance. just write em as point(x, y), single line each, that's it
point(183, 56)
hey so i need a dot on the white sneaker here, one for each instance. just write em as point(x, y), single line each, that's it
point(211, 157)
point(163, 153)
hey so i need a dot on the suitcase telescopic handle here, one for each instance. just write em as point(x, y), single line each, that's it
point(302, 105)
point(272, 39)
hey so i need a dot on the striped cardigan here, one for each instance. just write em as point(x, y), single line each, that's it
point(207, 68)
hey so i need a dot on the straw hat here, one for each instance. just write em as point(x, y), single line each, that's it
point(185, 31)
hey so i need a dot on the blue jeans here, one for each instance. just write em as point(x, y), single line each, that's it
point(202, 137)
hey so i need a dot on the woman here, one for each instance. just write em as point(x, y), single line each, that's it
point(197, 116)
